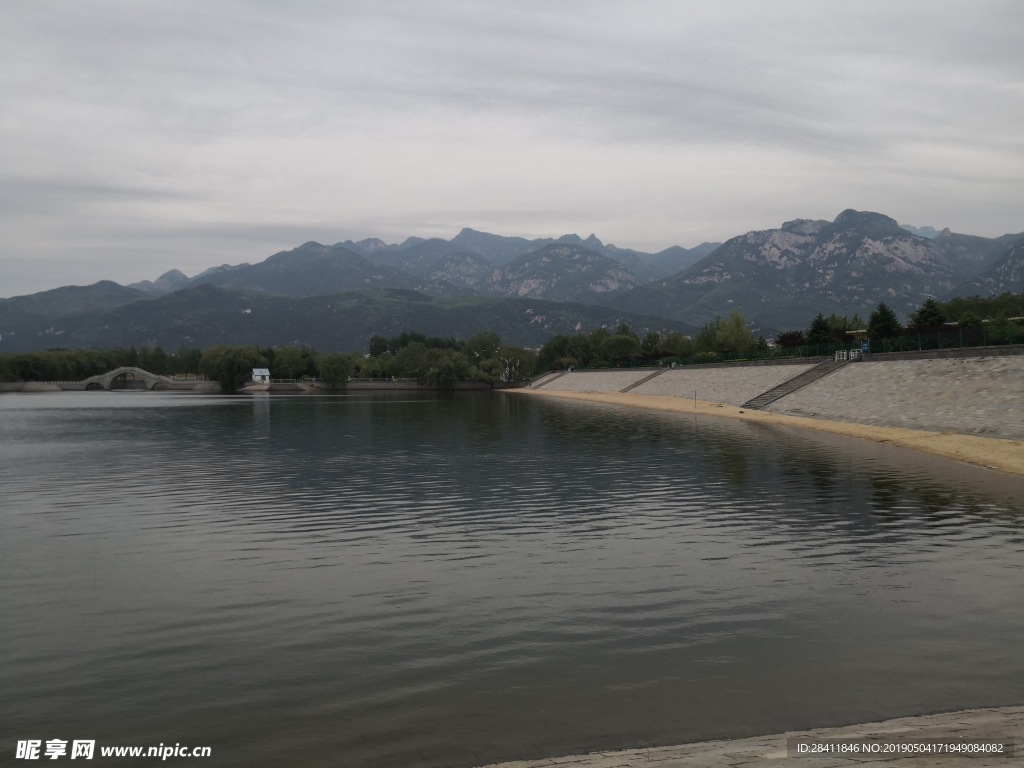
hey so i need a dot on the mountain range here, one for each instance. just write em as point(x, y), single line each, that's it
point(337, 296)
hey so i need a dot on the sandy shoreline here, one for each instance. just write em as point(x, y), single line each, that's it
point(987, 728)
point(994, 453)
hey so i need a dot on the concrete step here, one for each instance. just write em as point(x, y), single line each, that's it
point(544, 380)
point(636, 384)
point(792, 385)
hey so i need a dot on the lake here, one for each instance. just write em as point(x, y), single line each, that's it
point(408, 580)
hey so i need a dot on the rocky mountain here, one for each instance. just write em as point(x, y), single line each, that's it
point(562, 272)
point(169, 281)
point(496, 249)
point(204, 315)
point(970, 254)
point(71, 299)
point(465, 270)
point(465, 261)
point(312, 269)
point(417, 255)
point(1006, 274)
point(929, 232)
point(778, 278)
point(367, 247)
point(781, 277)
point(676, 258)
point(41, 316)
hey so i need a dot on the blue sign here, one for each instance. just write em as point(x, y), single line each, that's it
point(865, 346)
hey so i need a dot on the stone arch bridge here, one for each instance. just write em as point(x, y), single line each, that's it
point(109, 379)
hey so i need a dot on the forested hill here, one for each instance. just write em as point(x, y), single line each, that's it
point(207, 315)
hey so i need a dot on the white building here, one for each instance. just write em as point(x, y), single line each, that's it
point(260, 375)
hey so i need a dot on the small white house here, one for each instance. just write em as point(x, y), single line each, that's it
point(260, 375)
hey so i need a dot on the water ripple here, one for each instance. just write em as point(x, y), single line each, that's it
point(429, 581)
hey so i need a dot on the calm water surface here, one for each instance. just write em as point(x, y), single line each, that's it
point(447, 581)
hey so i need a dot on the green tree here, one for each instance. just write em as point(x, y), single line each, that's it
point(161, 361)
point(410, 361)
point(144, 359)
point(444, 367)
point(515, 363)
point(289, 362)
point(732, 334)
point(334, 368)
point(187, 360)
point(556, 348)
point(481, 346)
point(819, 332)
point(24, 368)
point(790, 339)
point(624, 330)
point(707, 336)
point(584, 348)
point(928, 315)
point(596, 336)
point(883, 323)
point(649, 345)
point(675, 344)
point(231, 366)
point(969, 320)
point(620, 347)
point(378, 346)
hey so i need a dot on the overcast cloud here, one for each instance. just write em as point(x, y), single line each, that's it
point(140, 136)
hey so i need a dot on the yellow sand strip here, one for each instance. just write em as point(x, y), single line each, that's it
point(978, 738)
point(994, 453)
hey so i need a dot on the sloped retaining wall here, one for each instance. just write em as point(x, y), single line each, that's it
point(968, 395)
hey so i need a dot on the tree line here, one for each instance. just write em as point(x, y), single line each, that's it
point(78, 364)
point(442, 362)
point(956, 322)
point(604, 348)
point(428, 360)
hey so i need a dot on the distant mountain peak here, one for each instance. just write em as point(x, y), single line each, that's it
point(856, 219)
point(803, 226)
point(930, 232)
point(172, 274)
point(371, 244)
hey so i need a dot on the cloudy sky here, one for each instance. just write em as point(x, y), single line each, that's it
point(138, 136)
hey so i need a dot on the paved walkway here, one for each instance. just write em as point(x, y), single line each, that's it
point(1002, 725)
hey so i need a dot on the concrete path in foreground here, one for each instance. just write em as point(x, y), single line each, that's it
point(1003, 725)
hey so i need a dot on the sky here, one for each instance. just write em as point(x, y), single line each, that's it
point(138, 136)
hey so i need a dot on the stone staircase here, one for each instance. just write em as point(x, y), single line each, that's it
point(547, 378)
point(792, 385)
point(645, 379)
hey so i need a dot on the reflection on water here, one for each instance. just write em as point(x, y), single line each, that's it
point(383, 581)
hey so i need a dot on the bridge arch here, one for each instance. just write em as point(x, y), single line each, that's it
point(106, 380)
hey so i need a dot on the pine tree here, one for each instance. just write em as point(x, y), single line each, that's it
point(819, 332)
point(928, 315)
point(883, 323)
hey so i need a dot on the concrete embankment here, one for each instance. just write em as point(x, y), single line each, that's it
point(734, 384)
point(939, 406)
point(906, 742)
point(963, 395)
